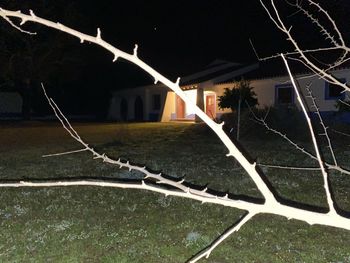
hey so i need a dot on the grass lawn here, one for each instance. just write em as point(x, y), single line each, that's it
point(90, 224)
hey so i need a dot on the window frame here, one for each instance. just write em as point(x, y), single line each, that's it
point(327, 89)
point(284, 86)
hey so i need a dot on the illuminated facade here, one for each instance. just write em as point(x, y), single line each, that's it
point(170, 107)
point(158, 103)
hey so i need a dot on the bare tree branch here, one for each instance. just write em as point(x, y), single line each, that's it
point(317, 111)
point(313, 136)
point(233, 150)
point(262, 121)
point(290, 167)
point(277, 20)
point(236, 227)
point(168, 186)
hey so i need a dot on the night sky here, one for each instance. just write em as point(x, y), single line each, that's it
point(175, 37)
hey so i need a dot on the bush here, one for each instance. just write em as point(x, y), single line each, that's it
point(285, 119)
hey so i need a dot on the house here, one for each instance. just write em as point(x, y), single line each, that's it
point(269, 79)
point(159, 103)
point(10, 105)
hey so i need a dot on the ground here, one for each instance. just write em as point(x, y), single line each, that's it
point(90, 224)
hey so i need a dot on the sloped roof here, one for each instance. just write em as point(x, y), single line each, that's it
point(275, 68)
point(217, 71)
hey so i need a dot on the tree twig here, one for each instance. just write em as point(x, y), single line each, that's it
point(314, 141)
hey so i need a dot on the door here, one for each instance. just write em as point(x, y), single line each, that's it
point(180, 108)
point(210, 105)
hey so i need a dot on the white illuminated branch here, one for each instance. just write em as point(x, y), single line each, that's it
point(307, 58)
point(314, 141)
point(335, 166)
point(173, 187)
point(336, 40)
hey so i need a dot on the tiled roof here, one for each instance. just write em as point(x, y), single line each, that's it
point(217, 71)
point(275, 68)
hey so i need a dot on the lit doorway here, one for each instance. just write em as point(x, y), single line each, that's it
point(210, 105)
point(180, 108)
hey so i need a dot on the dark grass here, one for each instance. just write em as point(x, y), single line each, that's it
point(90, 224)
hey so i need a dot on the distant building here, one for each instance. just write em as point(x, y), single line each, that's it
point(10, 105)
point(270, 82)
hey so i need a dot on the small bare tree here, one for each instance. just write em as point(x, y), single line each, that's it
point(309, 57)
point(174, 187)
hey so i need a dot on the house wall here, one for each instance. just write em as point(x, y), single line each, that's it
point(219, 89)
point(265, 90)
point(155, 114)
point(169, 109)
point(130, 96)
point(146, 94)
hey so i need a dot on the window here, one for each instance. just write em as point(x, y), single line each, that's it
point(156, 102)
point(284, 94)
point(334, 92)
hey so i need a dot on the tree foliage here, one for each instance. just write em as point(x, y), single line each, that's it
point(46, 57)
point(240, 94)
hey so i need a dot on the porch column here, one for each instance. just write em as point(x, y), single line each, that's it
point(200, 102)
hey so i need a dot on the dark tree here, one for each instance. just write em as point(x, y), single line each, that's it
point(238, 96)
point(26, 61)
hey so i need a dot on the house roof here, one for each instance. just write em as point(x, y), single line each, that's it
point(275, 68)
point(217, 71)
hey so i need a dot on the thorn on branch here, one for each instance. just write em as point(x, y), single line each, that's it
point(177, 81)
point(31, 13)
point(23, 21)
point(129, 166)
point(98, 34)
point(60, 25)
point(135, 50)
point(181, 181)
point(115, 58)
point(155, 81)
